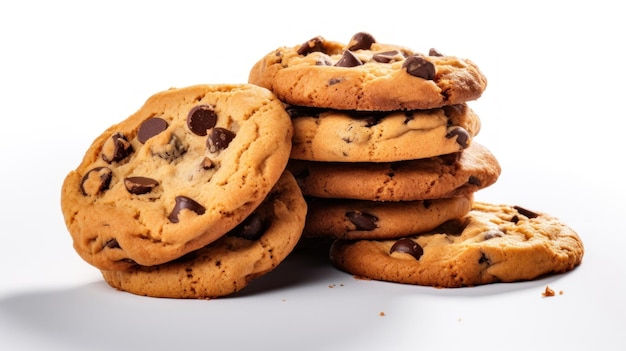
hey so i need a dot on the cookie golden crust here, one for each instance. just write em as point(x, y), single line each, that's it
point(351, 136)
point(438, 177)
point(227, 265)
point(361, 219)
point(493, 243)
point(183, 170)
point(367, 75)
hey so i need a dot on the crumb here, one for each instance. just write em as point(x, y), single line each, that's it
point(548, 292)
point(382, 314)
point(560, 292)
point(459, 320)
point(331, 286)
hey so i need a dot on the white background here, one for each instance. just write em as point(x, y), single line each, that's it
point(553, 114)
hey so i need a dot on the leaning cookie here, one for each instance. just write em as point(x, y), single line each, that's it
point(362, 219)
point(446, 176)
point(367, 136)
point(367, 75)
point(249, 251)
point(182, 171)
point(493, 243)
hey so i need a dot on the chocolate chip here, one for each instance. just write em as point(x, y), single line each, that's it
point(96, 180)
point(462, 136)
point(302, 111)
point(219, 139)
point(484, 259)
point(348, 60)
point(251, 228)
point(312, 45)
point(150, 128)
point(493, 234)
point(200, 119)
point(185, 203)
point(473, 180)
point(361, 41)
point(434, 52)
point(116, 148)
point(140, 185)
point(171, 151)
point(362, 221)
point(528, 213)
point(112, 244)
point(207, 164)
point(418, 66)
point(409, 246)
point(385, 56)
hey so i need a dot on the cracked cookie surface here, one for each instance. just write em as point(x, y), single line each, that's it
point(445, 176)
point(252, 249)
point(183, 170)
point(367, 75)
point(367, 136)
point(492, 243)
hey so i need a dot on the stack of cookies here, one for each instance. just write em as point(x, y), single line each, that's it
point(384, 153)
point(189, 196)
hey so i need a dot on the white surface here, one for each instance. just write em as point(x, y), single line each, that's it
point(552, 114)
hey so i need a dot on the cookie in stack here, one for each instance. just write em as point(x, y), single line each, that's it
point(384, 152)
point(189, 196)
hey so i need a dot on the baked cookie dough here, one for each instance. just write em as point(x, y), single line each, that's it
point(366, 75)
point(353, 136)
point(492, 243)
point(179, 173)
point(362, 219)
point(252, 249)
point(444, 176)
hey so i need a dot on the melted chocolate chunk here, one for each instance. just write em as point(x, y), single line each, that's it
point(140, 185)
point(219, 139)
point(302, 111)
point(170, 151)
point(451, 227)
point(362, 221)
point(409, 246)
point(185, 203)
point(385, 56)
point(462, 136)
point(112, 244)
point(418, 66)
point(484, 259)
point(361, 41)
point(524, 212)
point(348, 60)
point(150, 128)
point(312, 45)
point(200, 119)
point(251, 228)
point(116, 148)
point(96, 181)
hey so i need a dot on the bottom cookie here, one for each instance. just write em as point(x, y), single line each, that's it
point(492, 243)
point(252, 249)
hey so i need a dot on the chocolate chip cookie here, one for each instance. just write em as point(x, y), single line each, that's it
point(432, 178)
point(359, 136)
point(367, 75)
point(492, 243)
point(186, 168)
point(252, 249)
point(362, 219)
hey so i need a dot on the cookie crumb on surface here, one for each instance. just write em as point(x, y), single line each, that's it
point(382, 314)
point(548, 292)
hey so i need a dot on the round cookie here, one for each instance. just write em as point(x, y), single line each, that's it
point(366, 75)
point(186, 168)
point(433, 178)
point(358, 136)
point(252, 249)
point(493, 243)
point(362, 219)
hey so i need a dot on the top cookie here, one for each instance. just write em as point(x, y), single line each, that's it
point(186, 168)
point(366, 75)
